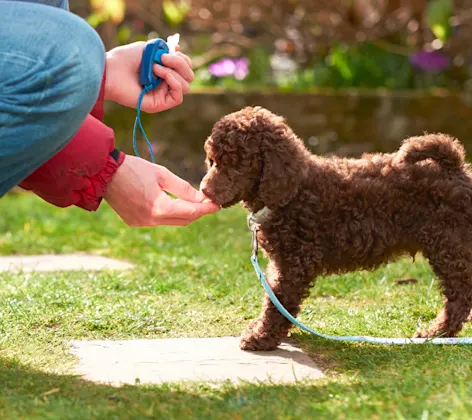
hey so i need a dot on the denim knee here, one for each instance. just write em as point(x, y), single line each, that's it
point(51, 69)
point(61, 4)
point(63, 57)
point(89, 68)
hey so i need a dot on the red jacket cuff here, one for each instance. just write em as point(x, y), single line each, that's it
point(79, 174)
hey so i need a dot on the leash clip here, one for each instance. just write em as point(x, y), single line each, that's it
point(255, 244)
point(252, 226)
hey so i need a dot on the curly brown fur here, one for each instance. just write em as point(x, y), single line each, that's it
point(334, 215)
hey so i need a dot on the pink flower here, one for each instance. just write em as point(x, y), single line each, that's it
point(238, 68)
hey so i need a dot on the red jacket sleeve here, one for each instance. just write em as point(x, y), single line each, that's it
point(98, 110)
point(79, 174)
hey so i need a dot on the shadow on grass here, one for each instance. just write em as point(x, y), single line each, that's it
point(371, 380)
point(370, 360)
point(28, 393)
point(33, 394)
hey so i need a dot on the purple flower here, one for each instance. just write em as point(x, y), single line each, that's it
point(430, 61)
point(238, 68)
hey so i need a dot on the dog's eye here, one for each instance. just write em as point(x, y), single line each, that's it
point(211, 162)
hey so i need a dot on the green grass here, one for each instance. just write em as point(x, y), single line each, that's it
point(198, 281)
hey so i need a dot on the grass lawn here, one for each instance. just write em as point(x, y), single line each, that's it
point(198, 281)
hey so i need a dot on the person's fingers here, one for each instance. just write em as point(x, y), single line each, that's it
point(179, 64)
point(173, 184)
point(173, 87)
point(179, 209)
point(186, 58)
point(175, 93)
point(164, 72)
point(172, 222)
point(168, 94)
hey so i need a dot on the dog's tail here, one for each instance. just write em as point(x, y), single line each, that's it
point(446, 151)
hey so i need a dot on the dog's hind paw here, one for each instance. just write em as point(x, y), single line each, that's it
point(434, 333)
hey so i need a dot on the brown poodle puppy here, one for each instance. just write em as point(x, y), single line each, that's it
point(334, 215)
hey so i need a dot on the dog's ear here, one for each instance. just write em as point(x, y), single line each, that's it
point(284, 165)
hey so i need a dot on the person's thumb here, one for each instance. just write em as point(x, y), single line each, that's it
point(173, 184)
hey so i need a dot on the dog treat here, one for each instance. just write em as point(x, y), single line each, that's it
point(172, 42)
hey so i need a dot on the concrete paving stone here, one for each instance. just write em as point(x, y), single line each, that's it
point(65, 262)
point(189, 359)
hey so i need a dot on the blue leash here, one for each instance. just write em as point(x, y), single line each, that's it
point(138, 122)
point(352, 338)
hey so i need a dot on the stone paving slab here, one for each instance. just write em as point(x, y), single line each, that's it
point(65, 262)
point(189, 359)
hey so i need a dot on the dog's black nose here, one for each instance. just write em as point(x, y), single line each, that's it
point(208, 191)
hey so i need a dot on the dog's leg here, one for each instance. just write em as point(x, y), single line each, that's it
point(290, 286)
point(453, 266)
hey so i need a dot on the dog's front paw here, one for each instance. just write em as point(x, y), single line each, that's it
point(423, 334)
point(256, 339)
point(435, 332)
point(253, 343)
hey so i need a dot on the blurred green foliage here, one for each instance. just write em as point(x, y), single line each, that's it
point(439, 13)
point(389, 61)
point(364, 66)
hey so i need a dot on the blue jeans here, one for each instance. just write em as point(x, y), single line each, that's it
point(51, 68)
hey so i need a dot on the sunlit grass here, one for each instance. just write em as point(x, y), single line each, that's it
point(198, 281)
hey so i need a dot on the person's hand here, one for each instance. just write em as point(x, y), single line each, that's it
point(137, 194)
point(122, 78)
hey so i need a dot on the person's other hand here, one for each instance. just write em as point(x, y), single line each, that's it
point(122, 78)
point(137, 194)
